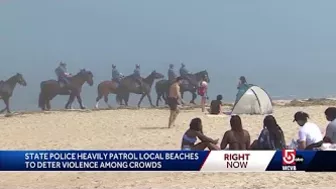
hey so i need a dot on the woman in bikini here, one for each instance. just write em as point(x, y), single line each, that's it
point(196, 131)
point(237, 138)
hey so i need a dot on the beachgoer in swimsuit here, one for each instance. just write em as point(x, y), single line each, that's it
point(173, 100)
point(203, 92)
point(237, 138)
point(196, 131)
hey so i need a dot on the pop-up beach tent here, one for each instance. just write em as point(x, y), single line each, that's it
point(254, 100)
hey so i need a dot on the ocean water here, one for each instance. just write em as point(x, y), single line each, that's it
point(288, 48)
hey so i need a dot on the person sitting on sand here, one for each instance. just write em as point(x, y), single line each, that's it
point(216, 105)
point(271, 137)
point(237, 138)
point(330, 135)
point(196, 131)
point(310, 135)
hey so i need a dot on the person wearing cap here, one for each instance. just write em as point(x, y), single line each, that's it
point(330, 135)
point(137, 75)
point(116, 76)
point(310, 135)
point(62, 73)
point(171, 73)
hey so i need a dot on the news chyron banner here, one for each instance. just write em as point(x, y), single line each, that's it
point(209, 161)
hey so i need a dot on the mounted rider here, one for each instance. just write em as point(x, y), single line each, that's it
point(136, 75)
point(62, 74)
point(171, 73)
point(184, 73)
point(116, 75)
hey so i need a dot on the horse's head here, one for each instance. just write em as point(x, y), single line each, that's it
point(87, 76)
point(203, 75)
point(20, 80)
point(157, 75)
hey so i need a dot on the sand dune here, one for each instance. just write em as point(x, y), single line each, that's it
point(142, 129)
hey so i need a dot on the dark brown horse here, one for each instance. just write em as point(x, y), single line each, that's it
point(162, 86)
point(127, 85)
point(51, 88)
point(7, 87)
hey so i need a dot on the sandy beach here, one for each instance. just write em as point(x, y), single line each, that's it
point(142, 129)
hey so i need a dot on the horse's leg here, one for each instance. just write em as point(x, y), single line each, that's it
point(142, 97)
point(165, 96)
point(150, 99)
point(3, 110)
point(48, 101)
point(158, 98)
point(106, 101)
point(100, 96)
point(70, 101)
point(194, 96)
point(125, 97)
point(80, 102)
point(48, 105)
point(6, 101)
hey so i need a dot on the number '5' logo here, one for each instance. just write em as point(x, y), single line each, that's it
point(288, 157)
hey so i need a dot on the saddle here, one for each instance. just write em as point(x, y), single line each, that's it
point(117, 81)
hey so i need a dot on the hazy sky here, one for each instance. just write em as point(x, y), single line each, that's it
point(265, 40)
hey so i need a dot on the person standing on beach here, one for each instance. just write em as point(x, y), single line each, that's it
point(172, 100)
point(202, 91)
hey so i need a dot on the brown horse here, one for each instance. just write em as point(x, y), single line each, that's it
point(51, 88)
point(127, 85)
point(7, 88)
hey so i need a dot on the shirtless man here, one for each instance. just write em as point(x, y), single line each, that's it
point(173, 97)
point(237, 138)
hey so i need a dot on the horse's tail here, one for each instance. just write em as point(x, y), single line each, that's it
point(41, 101)
point(99, 89)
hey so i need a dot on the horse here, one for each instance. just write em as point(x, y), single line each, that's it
point(51, 88)
point(105, 88)
point(7, 87)
point(192, 84)
point(128, 85)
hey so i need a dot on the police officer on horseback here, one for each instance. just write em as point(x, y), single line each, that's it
point(184, 73)
point(183, 70)
point(116, 75)
point(171, 73)
point(62, 74)
point(136, 74)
